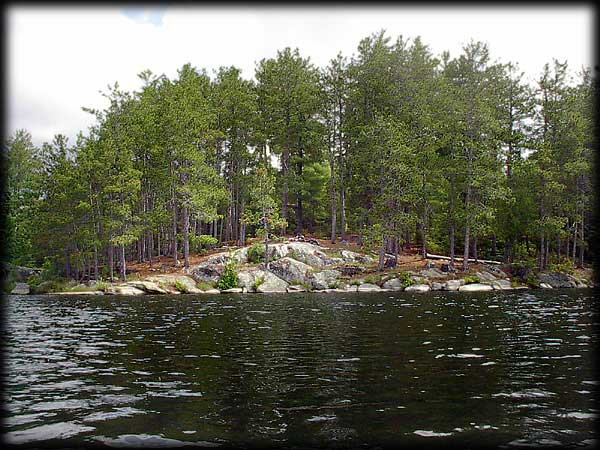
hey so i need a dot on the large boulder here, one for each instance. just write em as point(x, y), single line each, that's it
point(211, 269)
point(172, 279)
point(20, 289)
point(368, 287)
point(436, 286)
point(291, 270)
point(394, 284)
point(124, 290)
point(325, 279)
point(271, 283)
point(418, 288)
point(494, 270)
point(475, 287)
point(147, 286)
point(433, 273)
point(558, 280)
point(485, 276)
point(19, 273)
point(353, 257)
point(454, 285)
point(501, 285)
point(240, 255)
point(309, 253)
point(246, 278)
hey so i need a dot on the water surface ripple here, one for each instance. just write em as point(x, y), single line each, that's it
point(507, 369)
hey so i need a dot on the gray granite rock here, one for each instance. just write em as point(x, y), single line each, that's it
point(368, 287)
point(20, 289)
point(475, 287)
point(394, 284)
point(418, 288)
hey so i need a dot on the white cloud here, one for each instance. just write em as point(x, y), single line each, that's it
point(58, 59)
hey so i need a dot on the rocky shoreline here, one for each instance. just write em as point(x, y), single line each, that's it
point(302, 266)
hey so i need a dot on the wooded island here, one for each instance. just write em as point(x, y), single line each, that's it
point(392, 148)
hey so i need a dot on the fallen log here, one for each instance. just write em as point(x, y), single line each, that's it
point(456, 258)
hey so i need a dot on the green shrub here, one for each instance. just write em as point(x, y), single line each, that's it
point(256, 253)
point(205, 286)
point(470, 279)
point(434, 247)
point(181, 287)
point(260, 280)
point(531, 280)
point(521, 269)
point(405, 279)
point(372, 279)
point(49, 286)
point(229, 279)
point(565, 265)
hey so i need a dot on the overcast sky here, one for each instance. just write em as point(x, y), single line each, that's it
point(60, 58)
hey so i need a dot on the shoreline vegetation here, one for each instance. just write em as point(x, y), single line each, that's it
point(299, 266)
point(406, 170)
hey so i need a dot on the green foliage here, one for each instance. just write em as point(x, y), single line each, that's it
point(405, 279)
point(229, 279)
point(531, 280)
point(399, 143)
point(181, 287)
point(565, 265)
point(372, 279)
point(260, 280)
point(470, 279)
point(204, 240)
point(256, 253)
point(205, 286)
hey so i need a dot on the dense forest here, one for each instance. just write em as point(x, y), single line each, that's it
point(393, 147)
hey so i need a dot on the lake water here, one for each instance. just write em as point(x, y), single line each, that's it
point(508, 369)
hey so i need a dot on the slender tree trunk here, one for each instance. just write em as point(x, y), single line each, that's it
point(186, 236)
point(284, 188)
point(360, 230)
point(381, 263)
point(333, 202)
point(342, 214)
point(174, 227)
point(122, 263)
point(467, 228)
point(95, 262)
point(452, 225)
point(581, 236)
point(111, 257)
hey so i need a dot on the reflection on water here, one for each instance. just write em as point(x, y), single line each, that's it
point(501, 368)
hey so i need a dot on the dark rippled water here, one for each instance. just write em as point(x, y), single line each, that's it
point(505, 369)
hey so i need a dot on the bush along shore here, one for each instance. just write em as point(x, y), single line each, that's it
point(294, 266)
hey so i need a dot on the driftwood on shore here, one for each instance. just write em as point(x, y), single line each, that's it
point(447, 258)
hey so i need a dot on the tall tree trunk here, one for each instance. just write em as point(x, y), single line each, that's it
point(122, 263)
point(581, 237)
point(95, 262)
point(467, 227)
point(111, 257)
point(185, 218)
point(343, 214)
point(284, 188)
point(333, 202)
point(452, 225)
point(381, 262)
